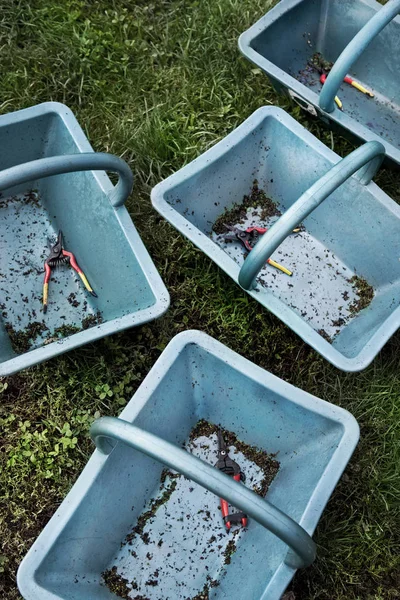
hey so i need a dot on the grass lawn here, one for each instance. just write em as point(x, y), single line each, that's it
point(158, 82)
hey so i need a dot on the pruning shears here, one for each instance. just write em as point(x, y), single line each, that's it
point(57, 257)
point(248, 237)
point(230, 467)
point(323, 75)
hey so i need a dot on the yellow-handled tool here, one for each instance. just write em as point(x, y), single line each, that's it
point(248, 237)
point(280, 267)
point(337, 99)
point(350, 81)
point(339, 102)
point(358, 86)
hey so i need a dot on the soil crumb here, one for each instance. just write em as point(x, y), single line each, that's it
point(72, 300)
point(238, 213)
point(325, 335)
point(92, 320)
point(320, 62)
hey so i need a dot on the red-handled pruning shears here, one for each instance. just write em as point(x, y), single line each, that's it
point(56, 257)
point(248, 237)
point(323, 75)
point(230, 467)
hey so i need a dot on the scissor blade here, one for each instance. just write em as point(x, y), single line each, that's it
point(221, 441)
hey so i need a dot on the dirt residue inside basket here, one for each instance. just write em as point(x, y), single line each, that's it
point(364, 291)
point(23, 340)
point(72, 300)
point(235, 215)
point(316, 65)
point(320, 63)
point(30, 198)
point(117, 584)
point(148, 563)
point(205, 592)
point(262, 459)
point(230, 549)
point(325, 335)
point(92, 320)
point(155, 505)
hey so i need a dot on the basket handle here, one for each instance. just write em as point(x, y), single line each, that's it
point(366, 160)
point(352, 52)
point(68, 163)
point(303, 548)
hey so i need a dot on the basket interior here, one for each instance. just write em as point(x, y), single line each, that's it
point(197, 385)
point(30, 217)
point(327, 27)
point(351, 233)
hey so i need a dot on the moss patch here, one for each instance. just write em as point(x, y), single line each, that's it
point(315, 66)
point(65, 330)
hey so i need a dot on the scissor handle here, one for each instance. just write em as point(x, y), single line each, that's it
point(352, 52)
point(366, 160)
point(105, 431)
point(68, 163)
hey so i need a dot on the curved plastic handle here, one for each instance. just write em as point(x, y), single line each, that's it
point(366, 160)
point(353, 50)
point(212, 479)
point(68, 163)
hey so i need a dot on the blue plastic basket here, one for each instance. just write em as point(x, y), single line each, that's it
point(48, 183)
point(355, 232)
point(361, 37)
point(195, 378)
